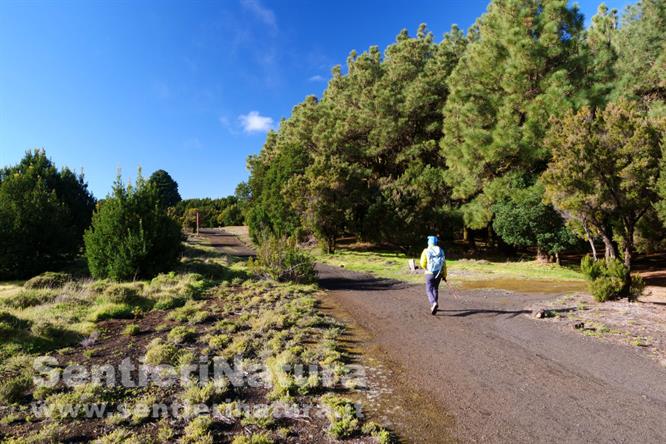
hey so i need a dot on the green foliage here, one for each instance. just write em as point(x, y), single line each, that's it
point(160, 352)
point(119, 436)
point(132, 235)
point(641, 44)
point(167, 188)
point(131, 330)
point(363, 159)
point(212, 212)
point(111, 310)
point(601, 56)
point(198, 431)
point(604, 168)
point(43, 213)
point(341, 413)
point(181, 334)
point(232, 215)
point(30, 298)
point(48, 279)
point(518, 71)
point(282, 260)
point(590, 268)
point(610, 279)
point(255, 438)
point(523, 220)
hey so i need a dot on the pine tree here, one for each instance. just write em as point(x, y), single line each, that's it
point(167, 188)
point(132, 236)
point(641, 48)
point(601, 56)
point(43, 213)
point(513, 77)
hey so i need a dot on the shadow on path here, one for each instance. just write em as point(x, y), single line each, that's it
point(335, 278)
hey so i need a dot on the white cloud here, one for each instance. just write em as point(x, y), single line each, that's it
point(317, 78)
point(253, 122)
point(261, 12)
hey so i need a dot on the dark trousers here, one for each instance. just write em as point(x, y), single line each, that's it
point(432, 287)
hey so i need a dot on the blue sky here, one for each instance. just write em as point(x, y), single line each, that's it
point(190, 87)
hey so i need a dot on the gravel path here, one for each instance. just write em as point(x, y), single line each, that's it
point(501, 375)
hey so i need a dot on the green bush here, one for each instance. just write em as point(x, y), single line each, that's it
point(15, 388)
point(280, 259)
point(255, 438)
point(341, 413)
point(43, 213)
point(30, 298)
point(608, 279)
point(132, 235)
point(110, 310)
point(131, 330)
point(48, 279)
point(181, 334)
point(160, 352)
point(591, 268)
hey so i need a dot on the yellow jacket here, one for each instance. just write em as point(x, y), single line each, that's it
point(424, 263)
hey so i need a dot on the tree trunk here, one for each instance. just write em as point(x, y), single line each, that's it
point(610, 249)
point(629, 247)
point(540, 256)
point(628, 256)
point(591, 241)
point(557, 258)
point(491, 236)
point(331, 245)
point(468, 236)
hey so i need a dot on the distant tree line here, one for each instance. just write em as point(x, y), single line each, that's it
point(528, 129)
point(48, 218)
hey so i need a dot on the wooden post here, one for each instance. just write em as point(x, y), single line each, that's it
point(197, 223)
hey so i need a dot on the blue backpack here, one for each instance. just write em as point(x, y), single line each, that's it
point(435, 260)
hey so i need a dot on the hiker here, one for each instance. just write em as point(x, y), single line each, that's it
point(434, 264)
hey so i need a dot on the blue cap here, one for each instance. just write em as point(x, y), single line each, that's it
point(432, 240)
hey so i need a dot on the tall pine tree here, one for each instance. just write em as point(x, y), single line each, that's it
point(511, 80)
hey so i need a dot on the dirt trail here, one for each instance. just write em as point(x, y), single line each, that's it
point(501, 375)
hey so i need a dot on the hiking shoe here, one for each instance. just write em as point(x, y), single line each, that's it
point(434, 308)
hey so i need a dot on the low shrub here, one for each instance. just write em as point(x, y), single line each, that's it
point(608, 279)
point(198, 431)
point(255, 438)
point(66, 405)
point(169, 302)
point(192, 313)
point(111, 310)
point(381, 435)
point(261, 417)
point(131, 330)
point(48, 434)
point(280, 259)
point(14, 389)
point(218, 342)
point(160, 352)
point(341, 413)
point(205, 394)
point(30, 298)
point(119, 436)
point(181, 334)
point(48, 279)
